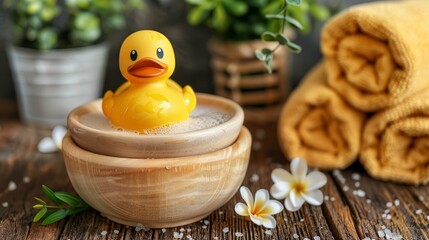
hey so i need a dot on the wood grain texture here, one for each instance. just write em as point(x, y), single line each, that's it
point(343, 216)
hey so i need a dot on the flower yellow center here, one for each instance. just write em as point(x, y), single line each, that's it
point(299, 187)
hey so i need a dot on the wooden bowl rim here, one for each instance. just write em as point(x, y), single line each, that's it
point(71, 148)
point(237, 117)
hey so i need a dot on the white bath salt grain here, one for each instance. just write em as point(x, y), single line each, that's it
point(116, 231)
point(388, 217)
point(366, 238)
point(12, 186)
point(360, 193)
point(316, 238)
point(397, 202)
point(326, 198)
point(419, 211)
point(5, 204)
point(225, 230)
point(163, 230)
point(380, 234)
point(345, 188)
point(103, 233)
point(332, 199)
point(26, 179)
point(389, 204)
point(220, 212)
point(188, 236)
point(301, 220)
point(421, 198)
point(139, 227)
point(383, 227)
point(254, 178)
point(427, 217)
point(206, 222)
point(383, 215)
point(204, 226)
point(306, 239)
point(238, 234)
point(268, 232)
point(386, 211)
point(181, 230)
point(357, 184)
point(188, 230)
point(215, 238)
point(177, 235)
point(368, 201)
point(356, 176)
point(295, 236)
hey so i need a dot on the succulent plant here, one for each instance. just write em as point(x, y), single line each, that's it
point(48, 24)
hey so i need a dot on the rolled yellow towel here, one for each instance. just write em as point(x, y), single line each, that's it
point(317, 125)
point(395, 142)
point(377, 54)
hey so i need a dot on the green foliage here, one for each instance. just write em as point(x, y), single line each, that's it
point(66, 204)
point(241, 20)
point(48, 24)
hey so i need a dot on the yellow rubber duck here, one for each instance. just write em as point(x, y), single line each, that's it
point(149, 99)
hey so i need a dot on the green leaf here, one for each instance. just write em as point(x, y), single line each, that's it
point(40, 214)
point(76, 210)
point(198, 14)
point(294, 2)
point(282, 39)
point(194, 2)
point(55, 217)
point(293, 47)
point(319, 12)
point(39, 206)
point(220, 18)
point(259, 55)
point(268, 36)
point(50, 194)
point(68, 198)
point(235, 7)
point(40, 201)
point(294, 23)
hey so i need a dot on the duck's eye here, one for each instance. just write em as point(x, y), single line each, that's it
point(159, 53)
point(133, 55)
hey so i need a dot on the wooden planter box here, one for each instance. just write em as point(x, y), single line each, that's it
point(240, 76)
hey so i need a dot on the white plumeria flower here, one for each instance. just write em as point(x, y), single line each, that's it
point(54, 143)
point(259, 210)
point(298, 187)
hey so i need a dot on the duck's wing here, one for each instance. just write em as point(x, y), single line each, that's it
point(190, 98)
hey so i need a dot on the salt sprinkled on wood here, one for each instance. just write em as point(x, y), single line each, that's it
point(368, 201)
point(188, 229)
point(181, 230)
point(268, 232)
point(254, 178)
point(366, 238)
point(421, 198)
point(215, 238)
point(345, 188)
point(177, 235)
point(419, 211)
point(139, 227)
point(238, 234)
point(163, 230)
point(295, 235)
point(357, 184)
point(355, 176)
point(26, 179)
point(204, 226)
point(306, 238)
point(397, 202)
point(5, 204)
point(206, 222)
point(12, 186)
point(389, 204)
point(104, 233)
point(316, 238)
point(326, 198)
point(332, 199)
point(116, 231)
point(225, 230)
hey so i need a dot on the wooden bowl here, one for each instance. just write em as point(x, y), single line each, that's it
point(99, 136)
point(163, 192)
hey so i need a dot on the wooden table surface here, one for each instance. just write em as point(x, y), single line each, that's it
point(356, 206)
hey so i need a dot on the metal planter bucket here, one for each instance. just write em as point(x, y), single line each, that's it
point(50, 84)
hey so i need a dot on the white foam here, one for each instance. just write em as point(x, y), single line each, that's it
point(200, 118)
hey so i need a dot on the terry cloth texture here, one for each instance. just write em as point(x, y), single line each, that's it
point(319, 126)
point(377, 54)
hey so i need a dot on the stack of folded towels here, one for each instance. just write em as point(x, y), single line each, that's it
point(369, 98)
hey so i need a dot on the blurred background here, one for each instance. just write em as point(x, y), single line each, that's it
point(190, 44)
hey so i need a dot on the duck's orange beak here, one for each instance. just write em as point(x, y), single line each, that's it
point(147, 68)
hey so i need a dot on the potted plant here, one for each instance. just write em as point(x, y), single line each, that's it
point(59, 53)
point(239, 25)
